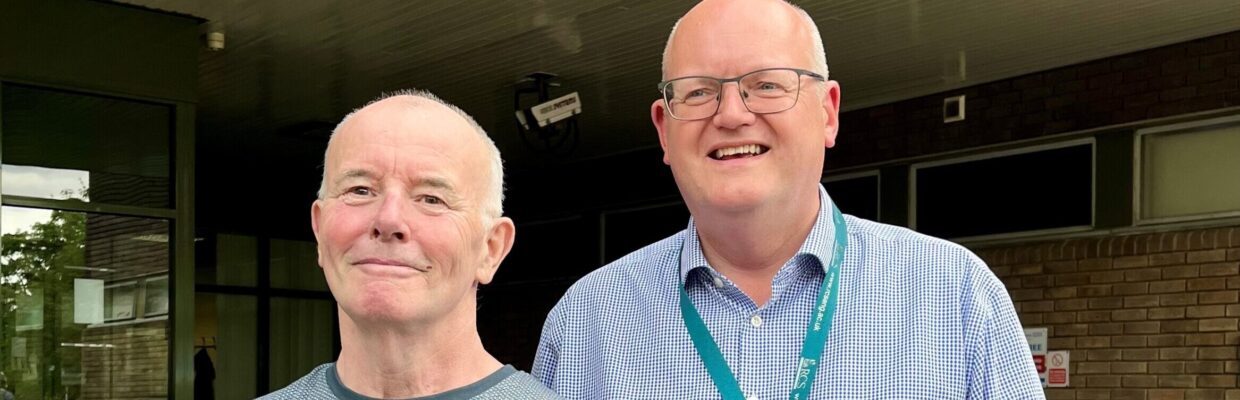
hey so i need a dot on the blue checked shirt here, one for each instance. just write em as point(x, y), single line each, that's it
point(918, 318)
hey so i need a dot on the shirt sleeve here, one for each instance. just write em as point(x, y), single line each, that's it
point(1001, 366)
point(547, 358)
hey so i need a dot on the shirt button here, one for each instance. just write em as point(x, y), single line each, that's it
point(756, 321)
point(718, 282)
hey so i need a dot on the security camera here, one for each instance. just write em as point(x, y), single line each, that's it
point(556, 109)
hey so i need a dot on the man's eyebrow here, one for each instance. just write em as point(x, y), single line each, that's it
point(354, 173)
point(436, 182)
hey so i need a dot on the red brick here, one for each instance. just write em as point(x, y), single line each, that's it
point(1178, 299)
point(1166, 341)
point(1205, 256)
point(1204, 284)
point(1166, 259)
point(1166, 313)
point(1220, 297)
point(1130, 288)
point(1167, 286)
point(1218, 325)
point(1213, 311)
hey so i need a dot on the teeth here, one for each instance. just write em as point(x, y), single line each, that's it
point(747, 149)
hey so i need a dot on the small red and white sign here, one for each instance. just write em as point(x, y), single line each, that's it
point(1057, 368)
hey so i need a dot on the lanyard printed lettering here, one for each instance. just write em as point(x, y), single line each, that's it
point(815, 335)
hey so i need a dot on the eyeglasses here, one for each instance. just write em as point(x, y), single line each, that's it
point(764, 91)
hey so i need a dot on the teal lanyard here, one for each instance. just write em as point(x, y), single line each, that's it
point(815, 335)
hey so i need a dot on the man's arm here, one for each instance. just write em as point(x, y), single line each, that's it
point(1001, 366)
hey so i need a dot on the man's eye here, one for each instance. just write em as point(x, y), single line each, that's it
point(360, 191)
point(432, 200)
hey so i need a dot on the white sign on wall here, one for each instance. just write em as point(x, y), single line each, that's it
point(1037, 345)
point(1057, 368)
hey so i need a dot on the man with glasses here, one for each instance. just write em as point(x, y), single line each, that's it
point(771, 292)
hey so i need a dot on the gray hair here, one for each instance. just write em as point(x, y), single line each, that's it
point(818, 53)
point(493, 204)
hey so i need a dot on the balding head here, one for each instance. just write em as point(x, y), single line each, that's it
point(713, 15)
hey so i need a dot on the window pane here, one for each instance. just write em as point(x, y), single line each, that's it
point(1022, 192)
point(627, 231)
point(70, 282)
point(302, 337)
point(224, 347)
point(61, 145)
point(1194, 172)
point(295, 265)
point(855, 196)
point(235, 264)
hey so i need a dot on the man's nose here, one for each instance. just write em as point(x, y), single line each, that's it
point(390, 223)
point(732, 111)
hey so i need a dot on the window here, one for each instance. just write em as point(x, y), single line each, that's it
point(1025, 190)
point(855, 194)
point(1189, 171)
point(629, 230)
point(118, 302)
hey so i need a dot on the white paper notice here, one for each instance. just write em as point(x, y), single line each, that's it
point(87, 301)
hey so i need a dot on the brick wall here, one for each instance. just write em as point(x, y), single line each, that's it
point(1146, 316)
point(1182, 78)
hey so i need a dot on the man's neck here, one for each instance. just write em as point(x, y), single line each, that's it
point(750, 248)
point(404, 362)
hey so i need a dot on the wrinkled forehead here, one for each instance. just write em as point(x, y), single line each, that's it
point(396, 125)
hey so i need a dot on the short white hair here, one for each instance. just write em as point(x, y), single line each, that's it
point(493, 204)
point(818, 53)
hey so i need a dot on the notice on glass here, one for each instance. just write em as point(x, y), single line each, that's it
point(87, 301)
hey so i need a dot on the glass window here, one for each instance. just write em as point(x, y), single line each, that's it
point(857, 196)
point(71, 281)
point(1192, 171)
point(1014, 192)
point(224, 347)
point(62, 145)
point(559, 249)
point(295, 265)
point(302, 337)
point(627, 231)
point(235, 264)
point(155, 296)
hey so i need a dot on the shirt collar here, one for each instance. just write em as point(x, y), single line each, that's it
point(819, 243)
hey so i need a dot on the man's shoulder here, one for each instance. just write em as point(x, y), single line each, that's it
point(650, 265)
point(312, 386)
point(902, 243)
point(519, 385)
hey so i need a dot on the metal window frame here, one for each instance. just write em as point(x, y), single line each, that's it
point(878, 188)
point(1093, 209)
point(1138, 169)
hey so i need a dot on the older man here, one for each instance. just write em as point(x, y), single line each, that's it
point(771, 292)
point(409, 224)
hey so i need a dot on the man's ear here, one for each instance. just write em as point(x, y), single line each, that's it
point(831, 110)
point(498, 244)
point(316, 209)
point(658, 115)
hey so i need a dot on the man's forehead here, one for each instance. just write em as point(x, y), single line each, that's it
point(715, 31)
